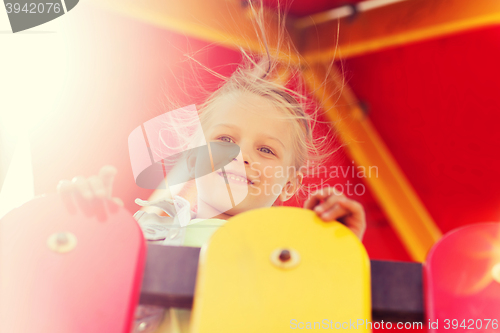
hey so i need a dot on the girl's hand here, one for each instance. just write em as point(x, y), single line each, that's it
point(87, 190)
point(336, 206)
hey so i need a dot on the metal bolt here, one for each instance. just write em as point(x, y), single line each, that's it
point(61, 242)
point(285, 258)
point(285, 255)
point(61, 238)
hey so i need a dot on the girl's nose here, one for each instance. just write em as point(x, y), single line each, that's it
point(245, 152)
point(244, 160)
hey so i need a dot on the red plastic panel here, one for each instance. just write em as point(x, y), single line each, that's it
point(435, 105)
point(462, 278)
point(94, 287)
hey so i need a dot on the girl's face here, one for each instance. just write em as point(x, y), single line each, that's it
point(266, 156)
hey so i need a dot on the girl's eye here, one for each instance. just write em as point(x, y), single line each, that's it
point(267, 150)
point(224, 138)
point(263, 149)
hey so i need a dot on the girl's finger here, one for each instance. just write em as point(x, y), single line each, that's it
point(82, 186)
point(319, 195)
point(107, 175)
point(330, 201)
point(65, 189)
point(64, 186)
point(354, 207)
point(97, 186)
point(334, 213)
point(311, 202)
point(357, 221)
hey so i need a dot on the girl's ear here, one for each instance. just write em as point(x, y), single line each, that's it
point(291, 187)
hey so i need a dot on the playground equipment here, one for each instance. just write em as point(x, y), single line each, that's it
point(70, 271)
point(463, 279)
point(64, 271)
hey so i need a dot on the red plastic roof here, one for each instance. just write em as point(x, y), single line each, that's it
point(435, 104)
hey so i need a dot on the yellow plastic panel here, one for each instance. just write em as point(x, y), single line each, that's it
point(240, 289)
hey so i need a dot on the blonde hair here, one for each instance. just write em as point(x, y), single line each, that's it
point(268, 76)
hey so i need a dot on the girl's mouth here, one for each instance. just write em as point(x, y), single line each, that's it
point(235, 179)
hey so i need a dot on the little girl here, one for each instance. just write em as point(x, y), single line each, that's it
point(274, 134)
